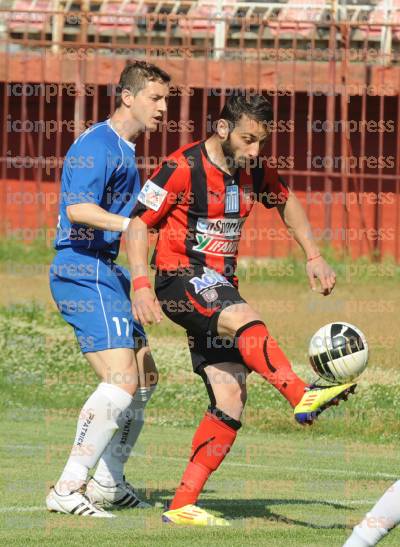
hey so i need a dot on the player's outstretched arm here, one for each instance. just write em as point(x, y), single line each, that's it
point(293, 215)
point(145, 306)
point(95, 216)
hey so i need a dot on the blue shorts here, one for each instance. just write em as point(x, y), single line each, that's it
point(92, 293)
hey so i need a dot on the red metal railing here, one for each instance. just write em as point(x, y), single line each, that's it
point(334, 86)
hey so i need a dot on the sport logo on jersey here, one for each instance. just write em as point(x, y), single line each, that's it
point(210, 278)
point(152, 196)
point(226, 228)
point(219, 236)
point(219, 247)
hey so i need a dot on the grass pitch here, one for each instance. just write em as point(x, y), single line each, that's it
point(281, 485)
point(277, 490)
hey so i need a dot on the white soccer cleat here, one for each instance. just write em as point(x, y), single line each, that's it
point(75, 503)
point(119, 496)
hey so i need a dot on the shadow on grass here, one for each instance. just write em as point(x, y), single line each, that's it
point(261, 508)
point(239, 509)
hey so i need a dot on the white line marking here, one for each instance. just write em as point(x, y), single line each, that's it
point(102, 305)
point(329, 471)
point(37, 509)
point(360, 502)
point(122, 152)
point(22, 509)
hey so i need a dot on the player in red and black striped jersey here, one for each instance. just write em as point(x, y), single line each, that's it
point(198, 200)
point(199, 209)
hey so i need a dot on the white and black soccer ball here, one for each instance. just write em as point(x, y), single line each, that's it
point(338, 352)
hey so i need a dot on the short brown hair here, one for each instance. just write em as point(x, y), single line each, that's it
point(240, 103)
point(135, 76)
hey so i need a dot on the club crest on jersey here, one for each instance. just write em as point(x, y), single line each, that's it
point(232, 199)
point(209, 279)
point(152, 196)
point(210, 295)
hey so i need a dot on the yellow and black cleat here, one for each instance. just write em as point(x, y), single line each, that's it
point(193, 516)
point(318, 398)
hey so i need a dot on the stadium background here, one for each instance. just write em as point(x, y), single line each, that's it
point(331, 70)
point(282, 486)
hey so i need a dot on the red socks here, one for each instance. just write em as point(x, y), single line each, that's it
point(211, 443)
point(262, 354)
point(216, 434)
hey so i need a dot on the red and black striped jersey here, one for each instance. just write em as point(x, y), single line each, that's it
point(199, 210)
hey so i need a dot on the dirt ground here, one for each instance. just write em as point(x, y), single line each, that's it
point(17, 288)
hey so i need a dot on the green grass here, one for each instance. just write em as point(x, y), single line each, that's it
point(36, 251)
point(42, 369)
point(277, 490)
point(281, 485)
point(286, 270)
point(292, 269)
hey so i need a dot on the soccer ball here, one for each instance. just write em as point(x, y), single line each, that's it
point(338, 352)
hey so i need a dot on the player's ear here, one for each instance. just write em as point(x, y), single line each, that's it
point(126, 97)
point(222, 129)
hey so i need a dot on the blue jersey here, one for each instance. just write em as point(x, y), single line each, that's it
point(99, 168)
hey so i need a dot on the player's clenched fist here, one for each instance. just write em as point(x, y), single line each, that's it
point(317, 268)
point(145, 307)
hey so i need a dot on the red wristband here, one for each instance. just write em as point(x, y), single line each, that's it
point(141, 282)
point(313, 258)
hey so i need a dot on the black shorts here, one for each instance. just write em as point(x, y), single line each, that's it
point(194, 298)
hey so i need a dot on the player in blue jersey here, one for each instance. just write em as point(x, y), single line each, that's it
point(99, 188)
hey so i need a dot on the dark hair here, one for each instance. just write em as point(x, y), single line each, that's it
point(135, 77)
point(252, 105)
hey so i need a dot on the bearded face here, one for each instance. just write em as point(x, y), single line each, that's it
point(244, 143)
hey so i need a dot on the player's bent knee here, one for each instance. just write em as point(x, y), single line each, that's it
point(129, 388)
point(232, 401)
point(231, 320)
point(124, 377)
point(245, 320)
point(148, 372)
point(132, 389)
point(243, 398)
point(231, 408)
point(151, 379)
point(233, 392)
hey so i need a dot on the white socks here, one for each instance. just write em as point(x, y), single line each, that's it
point(110, 469)
point(377, 523)
point(97, 423)
point(357, 541)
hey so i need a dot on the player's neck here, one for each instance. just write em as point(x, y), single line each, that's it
point(126, 128)
point(216, 155)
